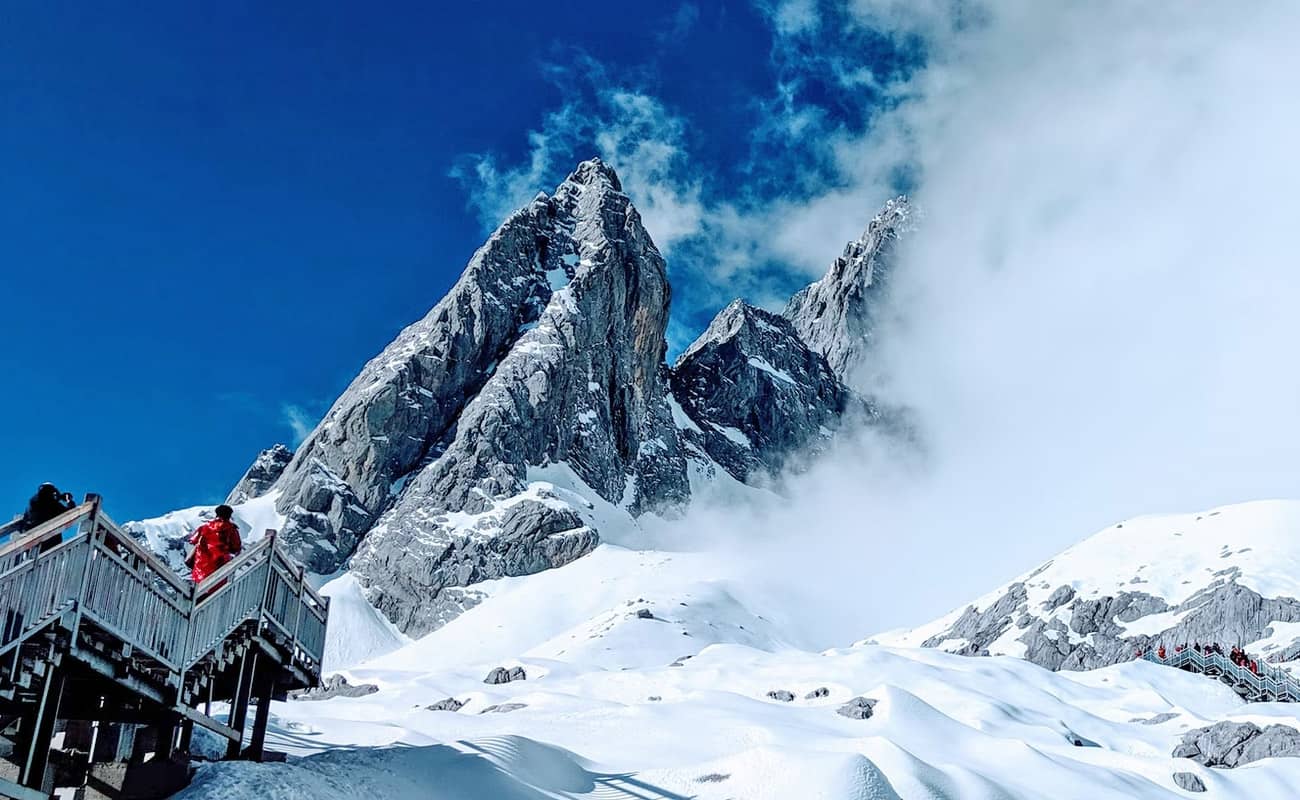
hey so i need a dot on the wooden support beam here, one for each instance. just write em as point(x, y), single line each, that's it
point(239, 706)
point(265, 690)
point(36, 737)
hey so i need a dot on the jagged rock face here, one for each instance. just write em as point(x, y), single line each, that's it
point(1235, 744)
point(1090, 633)
point(1224, 576)
point(480, 442)
point(757, 394)
point(1189, 782)
point(837, 316)
point(262, 475)
point(584, 387)
point(409, 404)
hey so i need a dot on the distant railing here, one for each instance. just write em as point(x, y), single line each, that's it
point(102, 575)
point(1268, 681)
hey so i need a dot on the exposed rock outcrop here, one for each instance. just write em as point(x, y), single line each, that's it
point(335, 686)
point(446, 704)
point(857, 708)
point(1215, 577)
point(757, 394)
point(838, 315)
point(501, 675)
point(1234, 744)
point(584, 387)
point(265, 470)
point(408, 406)
point(1189, 782)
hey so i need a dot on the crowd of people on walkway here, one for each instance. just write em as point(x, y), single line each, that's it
point(1236, 655)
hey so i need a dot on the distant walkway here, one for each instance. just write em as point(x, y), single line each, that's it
point(1270, 684)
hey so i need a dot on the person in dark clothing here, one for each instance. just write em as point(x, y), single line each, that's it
point(45, 505)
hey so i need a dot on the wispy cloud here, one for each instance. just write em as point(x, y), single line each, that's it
point(300, 420)
point(1095, 318)
point(681, 24)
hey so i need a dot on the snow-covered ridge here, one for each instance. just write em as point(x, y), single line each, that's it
point(1230, 575)
point(657, 675)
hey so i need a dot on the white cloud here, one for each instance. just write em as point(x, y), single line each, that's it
point(1096, 319)
point(299, 420)
point(791, 17)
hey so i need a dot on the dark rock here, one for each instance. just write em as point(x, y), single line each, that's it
point(334, 686)
point(857, 708)
point(1234, 744)
point(757, 396)
point(1062, 595)
point(503, 708)
point(504, 675)
point(1189, 782)
point(449, 704)
point(264, 472)
point(818, 693)
point(782, 695)
point(980, 627)
point(644, 613)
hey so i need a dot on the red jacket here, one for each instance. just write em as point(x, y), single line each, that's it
point(215, 543)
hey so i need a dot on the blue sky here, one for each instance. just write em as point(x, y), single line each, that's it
point(213, 214)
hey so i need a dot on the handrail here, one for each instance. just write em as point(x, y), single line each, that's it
point(11, 526)
point(105, 577)
point(35, 536)
point(228, 569)
point(1268, 677)
point(160, 567)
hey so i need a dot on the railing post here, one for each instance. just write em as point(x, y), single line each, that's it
point(301, 589)
point(87, 527)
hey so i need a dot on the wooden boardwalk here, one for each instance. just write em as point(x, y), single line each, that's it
point(98, 636)
point(1270, 684)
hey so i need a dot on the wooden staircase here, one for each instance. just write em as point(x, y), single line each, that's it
point(97, 633)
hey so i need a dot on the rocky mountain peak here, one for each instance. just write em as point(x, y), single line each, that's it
point(757, 394)
point(593, 172)
point(532, 406)
point(577, 387)
point(837, 315)
point(265, 470)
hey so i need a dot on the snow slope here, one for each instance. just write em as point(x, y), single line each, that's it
point(1228, 574)
point(167, 535)
point(613, 707)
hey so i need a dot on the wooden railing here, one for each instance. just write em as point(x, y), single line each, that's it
point(83, 565)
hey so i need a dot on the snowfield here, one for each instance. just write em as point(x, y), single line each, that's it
point(648, 678)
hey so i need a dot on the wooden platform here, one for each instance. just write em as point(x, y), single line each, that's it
point(97, 636)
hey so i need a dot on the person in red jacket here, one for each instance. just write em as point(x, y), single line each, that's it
point(215, 543)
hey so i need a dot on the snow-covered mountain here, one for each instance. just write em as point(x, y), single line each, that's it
point(532, 407)
point(644, 674)
point(458, 499)
point(761, 396)
point(1229, 575)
